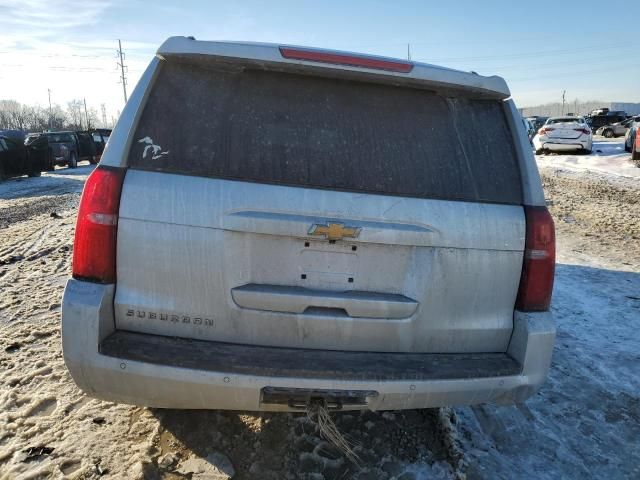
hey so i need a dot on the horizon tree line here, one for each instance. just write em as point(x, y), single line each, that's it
point(35, 118)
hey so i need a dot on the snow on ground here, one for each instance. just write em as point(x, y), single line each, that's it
point(584, 422)
point(608, 157)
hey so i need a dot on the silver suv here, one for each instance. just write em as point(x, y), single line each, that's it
point(271, 226)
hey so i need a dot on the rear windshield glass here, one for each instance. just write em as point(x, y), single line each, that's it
point(60, 138)
point(298, 130)
point(565, 120)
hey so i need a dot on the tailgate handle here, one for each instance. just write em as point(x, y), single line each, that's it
point(292, 299)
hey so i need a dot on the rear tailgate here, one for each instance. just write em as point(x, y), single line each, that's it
point(276, 209)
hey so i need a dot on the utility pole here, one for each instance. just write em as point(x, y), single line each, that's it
point(123, 78)
point(408, 51)
point(86, 115)
point(563, 101)
point(50, 114)
point(104, 116)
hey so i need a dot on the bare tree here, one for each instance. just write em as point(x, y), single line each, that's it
point(36, 118)
point(14, 116)
point(59, 119)
point(75, 113)
point(30, 118)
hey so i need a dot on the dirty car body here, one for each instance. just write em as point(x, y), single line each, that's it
point(311, 225)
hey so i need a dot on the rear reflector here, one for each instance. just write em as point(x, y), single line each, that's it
point(342, 59)
point(94, 248)
point(536, 282)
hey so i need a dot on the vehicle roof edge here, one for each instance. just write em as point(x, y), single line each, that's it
point(269, 53)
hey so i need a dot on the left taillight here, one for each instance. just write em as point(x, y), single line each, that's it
point(94, 247)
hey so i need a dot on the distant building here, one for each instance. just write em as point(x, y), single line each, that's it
point(578, 108)
point(630, 108)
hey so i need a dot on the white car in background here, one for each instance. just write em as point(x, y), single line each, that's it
point(561, 134)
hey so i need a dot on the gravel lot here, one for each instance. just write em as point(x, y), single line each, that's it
point(584, 423)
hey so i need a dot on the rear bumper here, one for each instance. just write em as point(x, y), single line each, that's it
point(177, 373)
point(561, 145)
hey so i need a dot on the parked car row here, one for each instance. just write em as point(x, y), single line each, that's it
point(618, 129)
point(601, 121)
point(30, 154)
point(571, 132)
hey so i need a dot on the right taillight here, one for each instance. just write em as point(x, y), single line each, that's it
point(536, 282)
point(94, 246)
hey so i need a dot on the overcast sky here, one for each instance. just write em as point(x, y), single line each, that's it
point(588, 48)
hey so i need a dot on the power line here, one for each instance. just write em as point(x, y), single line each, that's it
point(123, 77)
point(621, 58)
point(558, 75)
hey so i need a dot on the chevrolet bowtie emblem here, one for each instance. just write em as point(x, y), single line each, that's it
point(334, 231)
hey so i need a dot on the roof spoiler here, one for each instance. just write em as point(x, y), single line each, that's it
point(334, 64)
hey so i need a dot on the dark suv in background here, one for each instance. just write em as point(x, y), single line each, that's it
point(65, 148)
point(17, 159)
point(608, 118)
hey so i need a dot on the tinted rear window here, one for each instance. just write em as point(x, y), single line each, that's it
point(298, 130)
point(60, 138)
point(565, 120)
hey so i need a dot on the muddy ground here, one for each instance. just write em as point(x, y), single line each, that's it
point(600, 216)
point(581, 424)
